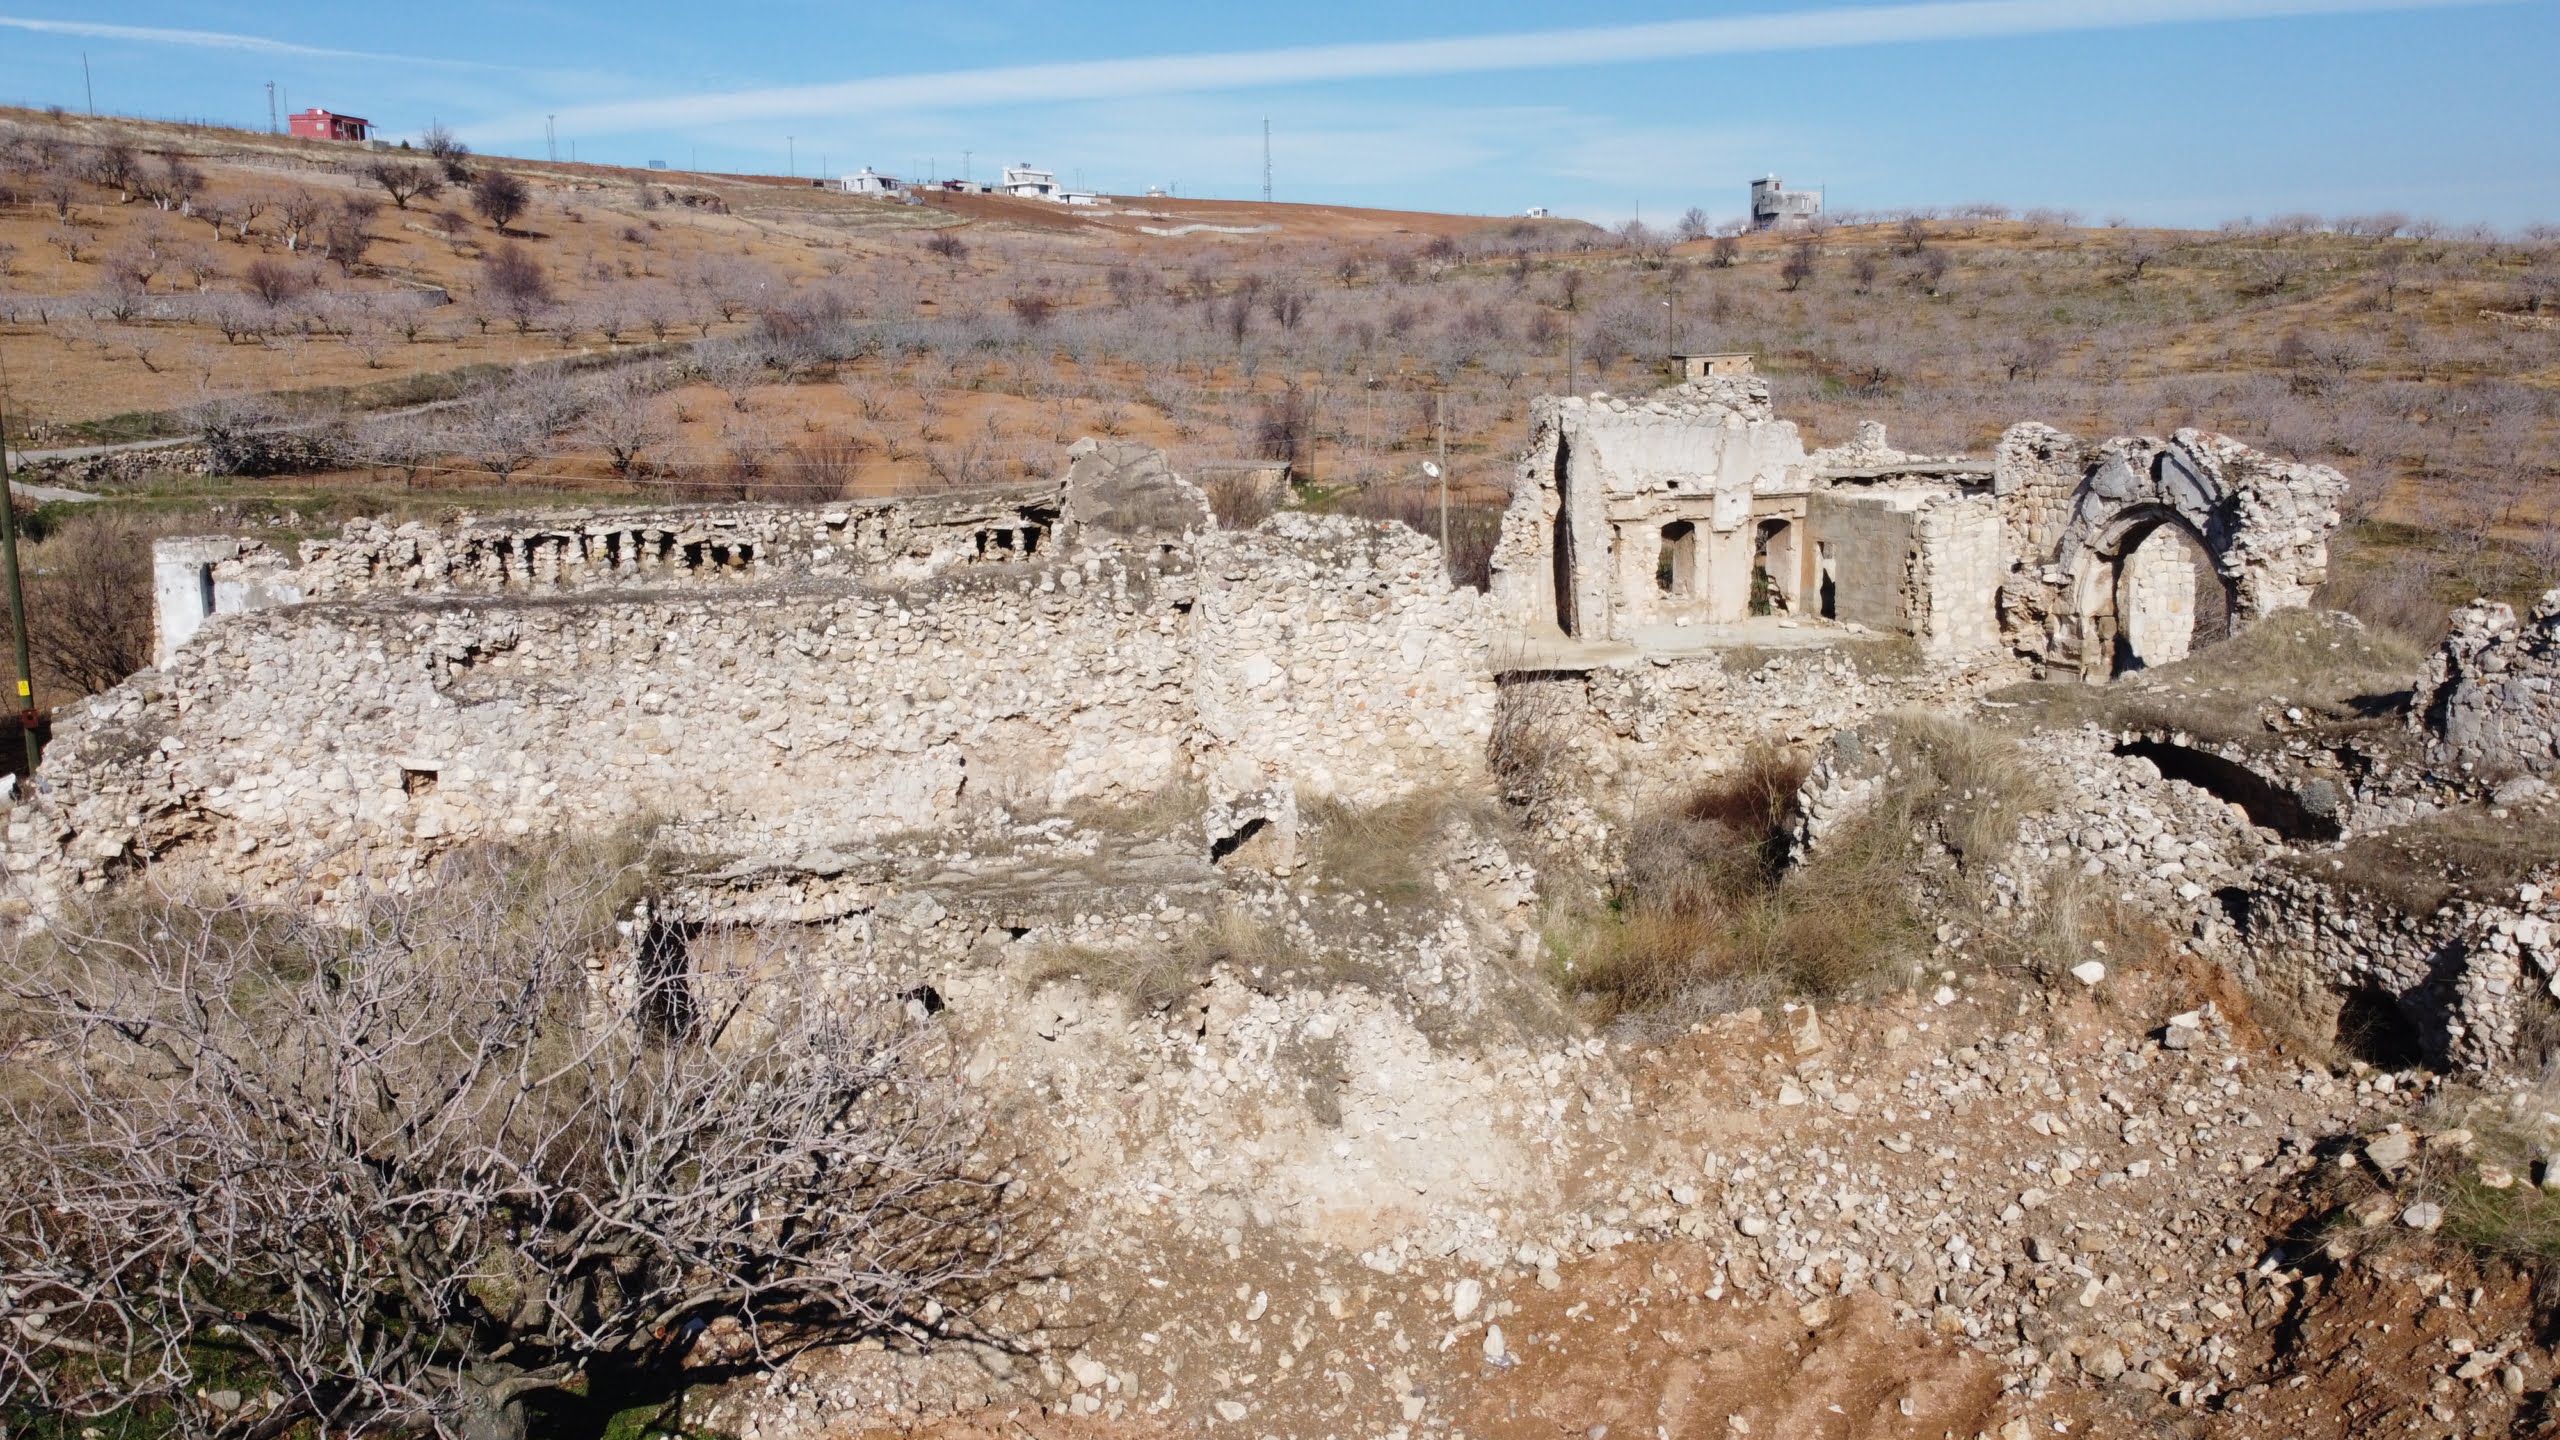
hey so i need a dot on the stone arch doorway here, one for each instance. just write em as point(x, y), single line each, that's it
point(2151, 592)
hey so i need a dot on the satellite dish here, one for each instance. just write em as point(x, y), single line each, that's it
point(1431, 469)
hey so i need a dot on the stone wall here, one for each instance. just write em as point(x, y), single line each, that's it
point(303, 749)
point(2490, 700)
point(2458, 978)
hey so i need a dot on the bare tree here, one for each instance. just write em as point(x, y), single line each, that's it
point(623, 423)
point(1912, 234)
point(448, 151)
point(515, 285)
point(408, 442)
point(276, 282)
point(174, 186)
point(298, 212)
point(1695, 225)
point(405, 181)
point(499, 197)
point(405, 1167)
point(508, 426)
point(348, 231)
point(89, 600)
point(1728, 249)
point(731, 367)
point(1804, 261)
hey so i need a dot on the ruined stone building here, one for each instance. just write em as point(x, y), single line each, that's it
point(1677, 580)
point(1697, 518)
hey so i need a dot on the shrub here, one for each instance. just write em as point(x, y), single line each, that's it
point(89, 599)
point(403, 1170)
point(1710, 912)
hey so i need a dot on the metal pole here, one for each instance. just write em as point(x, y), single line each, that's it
point(1442, 401)
point(17, 606)
point(86, 89)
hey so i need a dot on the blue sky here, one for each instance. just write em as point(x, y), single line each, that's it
point(2166, 111)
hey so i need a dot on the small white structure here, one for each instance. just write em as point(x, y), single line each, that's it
point(1078, 197)
point(1023, 182)
point(1534, 212)
point(867, 181)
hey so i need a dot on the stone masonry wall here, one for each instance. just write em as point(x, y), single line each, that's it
point(2491, 696)
point(298, 749)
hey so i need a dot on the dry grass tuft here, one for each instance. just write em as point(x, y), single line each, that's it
point(1708, 916)
point(1381, 852)
point(1154, 980)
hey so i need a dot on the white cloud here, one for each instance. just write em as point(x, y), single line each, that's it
point(209, 40)
point(1600, 45)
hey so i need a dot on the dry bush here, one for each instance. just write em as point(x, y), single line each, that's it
point(1380, 851)
point(1473, 529)
point(410, 1168)
point(1239, 501)
point(1155, 979)
point(1530, 751)
point(1709, 915)
point(89, 599)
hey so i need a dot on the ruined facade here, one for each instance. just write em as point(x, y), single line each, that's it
point(2105, 536)
point(1651, 524)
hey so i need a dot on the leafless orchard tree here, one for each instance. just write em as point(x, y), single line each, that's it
point(499, 197)
point(409, 1167)
point(514, 285)
point(405, 181)
point(623, 422)
point(508, 426)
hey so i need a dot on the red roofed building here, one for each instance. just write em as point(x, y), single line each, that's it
point(319, 124)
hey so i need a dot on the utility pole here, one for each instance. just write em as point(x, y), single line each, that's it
point(89, 91)
point(17, 606)
point(551, 137)
point(967, 176)
point(271, 107)
point(1440, 401)
point(1266, 159)
point(791, 155)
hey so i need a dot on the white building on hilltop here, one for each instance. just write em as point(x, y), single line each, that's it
point(1025, 183)
point(867, 181)
point(1775, 207)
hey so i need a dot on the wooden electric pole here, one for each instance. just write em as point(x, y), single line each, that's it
point(17, 604)
point(1441, 415)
